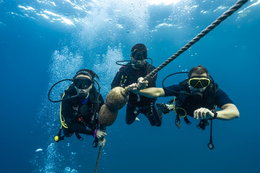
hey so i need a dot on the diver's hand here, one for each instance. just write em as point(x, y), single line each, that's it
point(133, 88)
point(142, 84)
point(102, 142)
point(100, 134)
point(203, 113)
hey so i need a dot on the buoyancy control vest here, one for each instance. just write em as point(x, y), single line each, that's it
point(87, 107)
point(186, 102)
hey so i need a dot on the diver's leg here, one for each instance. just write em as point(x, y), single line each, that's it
point(157, 116)
point(131, 113)
point(154, 117)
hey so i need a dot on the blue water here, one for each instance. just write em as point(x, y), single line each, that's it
point(43, 41)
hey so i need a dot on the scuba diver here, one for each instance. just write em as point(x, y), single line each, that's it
point(79, 108)
point(128, 74)
point(198, 96)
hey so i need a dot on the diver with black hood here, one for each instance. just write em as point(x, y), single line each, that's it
point(128, 74)
point(79, 108)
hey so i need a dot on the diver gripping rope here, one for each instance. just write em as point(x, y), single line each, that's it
point(220, 19)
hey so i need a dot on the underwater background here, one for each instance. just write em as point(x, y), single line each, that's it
point(44, 41)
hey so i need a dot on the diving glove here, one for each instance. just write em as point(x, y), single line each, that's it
point(141, 83)
point(100, 138)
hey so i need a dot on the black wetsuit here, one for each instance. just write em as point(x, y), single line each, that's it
point(211, 98)
point(80, 113)
point(138, 104)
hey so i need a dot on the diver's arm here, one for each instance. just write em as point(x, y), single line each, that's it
point(115, 81)
point(150, 92)
point(117, 78)
point(228, 111)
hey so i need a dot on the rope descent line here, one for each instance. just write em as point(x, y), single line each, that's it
point(209, 28)
point(98, 158)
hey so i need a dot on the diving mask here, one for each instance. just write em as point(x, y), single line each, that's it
point(199, 82)
point(82, 83)
point(139, 55)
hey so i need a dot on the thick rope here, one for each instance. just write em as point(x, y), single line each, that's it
point(98, 158)
point(220, 19)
